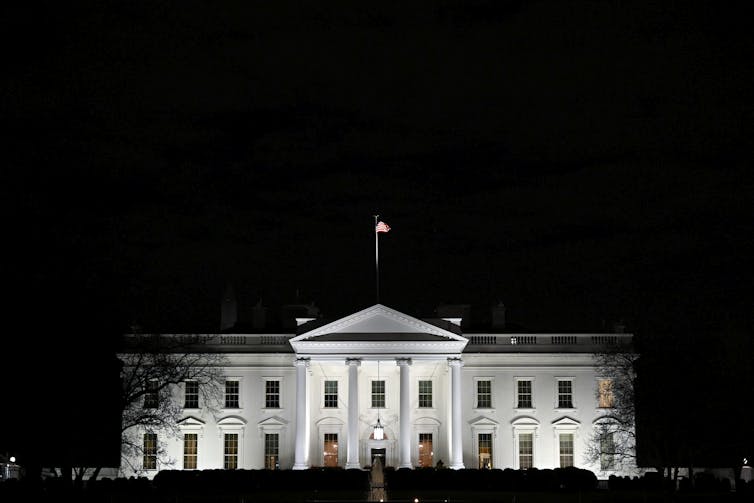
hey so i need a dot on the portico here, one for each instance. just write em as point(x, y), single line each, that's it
point(418, 360)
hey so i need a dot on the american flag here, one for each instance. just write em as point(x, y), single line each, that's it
point(382, 227)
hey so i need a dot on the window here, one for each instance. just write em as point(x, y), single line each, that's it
point(330, 448)
point(605, 390)
point(151, 395)
point(425, 448)
point(525, 450)
point(331, 394)
point(191, 395)
point(565, 394)
point(190, 443)
point(378, 394)
point(150, 451)
point(230, 459)
point(524, 389)
point(484, 394)
point(232, 392)
point(485, 450)
point(566, 449)
point(271, 448)
point(425, 394)
point(607, 451)
point(272, 394)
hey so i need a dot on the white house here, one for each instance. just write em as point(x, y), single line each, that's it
point(382, 383)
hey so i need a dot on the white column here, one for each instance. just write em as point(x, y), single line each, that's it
point(302, 425)
point(404, 452)
point(456, 461)
point(352, 458)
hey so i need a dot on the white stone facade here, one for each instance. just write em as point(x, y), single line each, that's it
point(447, 397)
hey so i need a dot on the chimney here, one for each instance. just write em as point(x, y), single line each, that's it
point(498, 316)
point(259, 316)
point(229, 309)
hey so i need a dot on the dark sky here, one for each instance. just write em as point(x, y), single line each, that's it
point(580, 161)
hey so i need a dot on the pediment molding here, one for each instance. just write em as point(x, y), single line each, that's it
point(272, 421)
point(483, 421)
point(525, 421)
point(378, 319)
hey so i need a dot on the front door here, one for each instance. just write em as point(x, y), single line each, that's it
point(378, 453)
point(426, 452)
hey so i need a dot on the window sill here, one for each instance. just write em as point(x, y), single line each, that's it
point(491, 410)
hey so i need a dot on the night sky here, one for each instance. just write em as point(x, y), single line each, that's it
point(582, 162)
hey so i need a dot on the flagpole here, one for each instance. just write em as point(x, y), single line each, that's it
point(376, 260)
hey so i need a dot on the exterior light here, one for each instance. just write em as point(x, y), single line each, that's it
point(379, 431)
point(13, 459)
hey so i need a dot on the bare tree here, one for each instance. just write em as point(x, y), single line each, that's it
point(154, 368)
point(612, 444)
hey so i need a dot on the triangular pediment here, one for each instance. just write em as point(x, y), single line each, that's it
point(378, 322)
point(483, 421)
point(272, 421)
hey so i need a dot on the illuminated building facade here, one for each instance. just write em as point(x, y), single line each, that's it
point(415, 392)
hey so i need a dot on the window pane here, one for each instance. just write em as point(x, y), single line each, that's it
point(525, 450)
point(272, 394)
point(566, 449)
point(231, 451)
point(192, 395)
point(331, 394)
point(150, 451)
point(607, 452)
point(425, 393)
point(150, 395)
point(378, 394)
point(484, 394)
point(271, 449)
point(605, 393)
point(485, 450)
point(524, 395)
point(232, 389)
point(565, 395)
point(189, 451)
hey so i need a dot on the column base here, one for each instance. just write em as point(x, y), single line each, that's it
point(458, 466)
point(350, 466)
point(301, 466)
point(406, 466)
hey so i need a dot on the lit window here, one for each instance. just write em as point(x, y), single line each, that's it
point(150, 451)
point(607, 451)
point(485, 450)
point(232, 391)
point(378, 394)
point(189, 451)
point(151, 395)
point(330, 449)
point(606, 397)
point(271, 448)
point(565, 394)
point(231, 451)
point(425, 394)
point(566, 450)
point(525, 450)
point(426, 451)
point(272, 394)
point(484, 394)
point(524, 394)
point(331, 394)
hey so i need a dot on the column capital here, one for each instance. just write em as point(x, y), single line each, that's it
point(455, 362)
point(353, 362)
point(301, 362)
point(403, 362)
